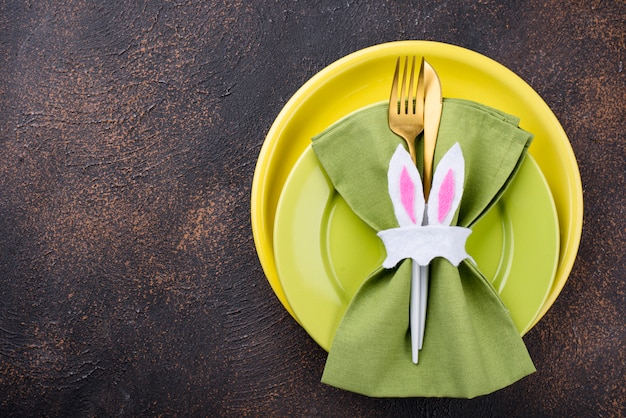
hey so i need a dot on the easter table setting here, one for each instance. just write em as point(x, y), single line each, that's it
point(325, 208)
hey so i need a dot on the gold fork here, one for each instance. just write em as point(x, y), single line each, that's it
point(406, 112)
point(406, 119)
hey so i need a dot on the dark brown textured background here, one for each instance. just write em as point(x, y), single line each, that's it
point(129, 133)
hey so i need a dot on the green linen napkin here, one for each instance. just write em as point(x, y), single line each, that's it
point(471, 346)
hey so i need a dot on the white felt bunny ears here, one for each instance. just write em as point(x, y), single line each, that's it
point(424, 230)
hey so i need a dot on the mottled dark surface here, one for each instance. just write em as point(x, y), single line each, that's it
point(129, 133)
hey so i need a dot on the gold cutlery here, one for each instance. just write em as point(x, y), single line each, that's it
point(413, 109)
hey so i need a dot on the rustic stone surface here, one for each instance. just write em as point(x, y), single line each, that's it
point(129, 133)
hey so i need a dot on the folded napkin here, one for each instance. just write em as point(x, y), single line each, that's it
point(471, 346)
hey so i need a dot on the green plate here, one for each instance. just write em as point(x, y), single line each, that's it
point(323, 251)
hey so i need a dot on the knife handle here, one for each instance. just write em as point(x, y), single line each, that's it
point(424, 275)
point(415, 310)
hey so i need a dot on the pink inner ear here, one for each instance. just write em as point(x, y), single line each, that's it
point(446, 195)
point(407, 194)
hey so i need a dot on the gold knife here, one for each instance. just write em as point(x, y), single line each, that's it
point(432, 116)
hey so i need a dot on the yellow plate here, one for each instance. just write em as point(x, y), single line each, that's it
point(364, 77)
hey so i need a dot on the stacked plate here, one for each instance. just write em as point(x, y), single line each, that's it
point(315, 252)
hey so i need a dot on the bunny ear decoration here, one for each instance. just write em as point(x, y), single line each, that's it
point(405, 189)
point(407, 196)
point(437, 238)
point(447, 188)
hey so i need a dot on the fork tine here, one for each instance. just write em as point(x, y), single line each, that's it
point(404, 96)
point(411, 102)
point(393, 99)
